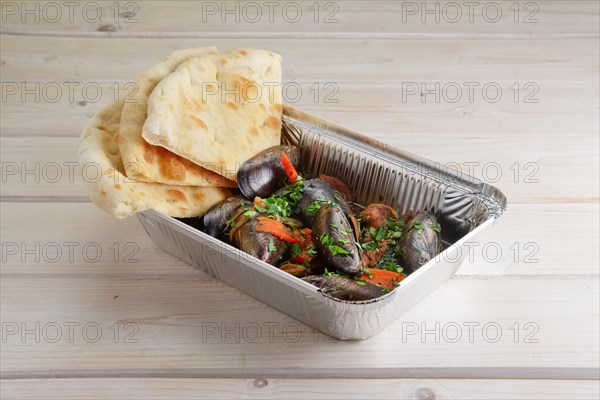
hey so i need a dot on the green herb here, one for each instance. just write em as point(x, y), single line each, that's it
point(326, 240)
point(260, 208)
point(370, 246)
point(435, 227)
point(395, 227)
point(369, 272)
point(313, 208)
point(335, 250)
point(392, 267)
point(278, 205)
point(310, 251)
point(296, 250)
point(329, 241)
point(272, 247)
point(418, 226)
point(250, 213)
point(332, 273)
point(360, 282)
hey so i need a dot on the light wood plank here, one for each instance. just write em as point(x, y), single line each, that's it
point(342, 18)
point(260, 388)
point(197, 326)
point(26, 58)
point(393, 112)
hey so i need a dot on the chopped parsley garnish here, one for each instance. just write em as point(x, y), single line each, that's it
point(332, 273)
point(313, 208)
point(250, 213)
point(435, 227)
point(296, 250)
point(335, 250)
point(418, 226)
point(260, 208)
point(370, 246)
point(278, 205)
point(329, 241)
point(326, 240)
point(310, 251)
point(272, 247)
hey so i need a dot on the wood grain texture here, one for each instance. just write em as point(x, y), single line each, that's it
point(306, 19)
point(26, 58)
point(157, 328)
point(192, 324)
point(390, 112)
point(259, 388)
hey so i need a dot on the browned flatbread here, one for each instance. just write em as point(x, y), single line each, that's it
point(148, 163)
point(121, 196)
point(218, 110)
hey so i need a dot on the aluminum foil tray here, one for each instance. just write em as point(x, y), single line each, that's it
point(375, 172)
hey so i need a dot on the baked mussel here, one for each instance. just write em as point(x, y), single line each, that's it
point(215, 219)
point(420, 241)
point(246, 235)
point(265, 173)
point(316, 193)
point(334, 240)
point(344, 288)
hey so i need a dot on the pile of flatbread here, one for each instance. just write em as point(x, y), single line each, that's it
point(177, 144)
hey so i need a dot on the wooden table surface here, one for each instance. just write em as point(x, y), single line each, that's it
point(92, 309)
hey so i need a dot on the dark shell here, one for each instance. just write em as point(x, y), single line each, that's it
point(263, 174)
point(344, 288)
point(338, 185)
point(418, 248)
point(247, 239)
point(330, 220)
point(314, 190)
point(215, 220)
point(318, 190)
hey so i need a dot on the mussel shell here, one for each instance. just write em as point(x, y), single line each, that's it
point(418, 248)
point(215, 219)
point(332, 221)
point(314, 190)
point(318, 190)
point(264, 174)
point(344, 288)
point(248, 240)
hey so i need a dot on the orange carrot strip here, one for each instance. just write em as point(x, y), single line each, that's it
point(382, 277)
point(278, 229)
point(289, 168)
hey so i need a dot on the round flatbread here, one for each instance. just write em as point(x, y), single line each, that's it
point(112, 191)
point(149, 163)
point(218, 110)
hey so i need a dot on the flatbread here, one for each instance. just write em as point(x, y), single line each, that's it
point(111, 190)
point(218, 110)
point(153, 163)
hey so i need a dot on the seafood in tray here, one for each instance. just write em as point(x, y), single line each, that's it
point(312, 229)
point(322, 223)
